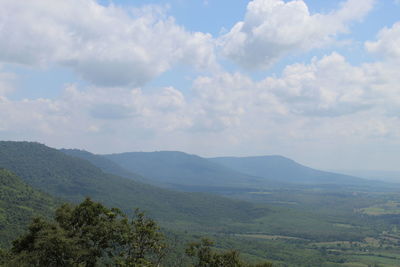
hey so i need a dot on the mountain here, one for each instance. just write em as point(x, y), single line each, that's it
point(72, 179)
point(105, 164)
point(378, 175)
point(180, 169)
point(19, 203)
point(188, 172)
point(282, 169)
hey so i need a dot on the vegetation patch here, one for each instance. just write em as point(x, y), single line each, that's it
point(388, 208)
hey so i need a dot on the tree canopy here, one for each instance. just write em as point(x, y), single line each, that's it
point(90, 234)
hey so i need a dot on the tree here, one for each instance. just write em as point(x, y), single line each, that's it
point(89, 235)
point(143, 243)
point(45, 244)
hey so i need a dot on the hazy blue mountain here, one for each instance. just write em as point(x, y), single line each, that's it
point(379, 175)
point(103, 163)
point(72, 179)
point(284, 170)
point(19, 203)
point(181, 169)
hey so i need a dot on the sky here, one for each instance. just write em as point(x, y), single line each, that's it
point(315, 81)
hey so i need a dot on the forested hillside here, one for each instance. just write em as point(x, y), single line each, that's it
point(73, 179)
point(105, 164)
point(180, 169)
point(91, 234)
point(19, 203)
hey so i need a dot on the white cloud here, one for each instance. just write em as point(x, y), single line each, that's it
point(326, 97)
point(274, 28)
point(326, 106)
point(107, 46)
point(91, 116)
point(387, 43)
point(225, 100)
point(326, 87)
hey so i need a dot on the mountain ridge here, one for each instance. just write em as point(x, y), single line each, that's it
point(73, 179)
point(284, 169)
point(180, 168)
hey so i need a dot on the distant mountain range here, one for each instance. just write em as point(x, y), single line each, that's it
point(35, 178)
point(282, 169)
point(104, 164)
point(285, 197)
point(71, 178)
point(378, 175)
point(178, 168)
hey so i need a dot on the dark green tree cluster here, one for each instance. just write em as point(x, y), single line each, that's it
point(90, 235)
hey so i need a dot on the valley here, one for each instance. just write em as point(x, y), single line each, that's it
point(309, 222)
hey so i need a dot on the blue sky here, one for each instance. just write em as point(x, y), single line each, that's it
point(316, 81)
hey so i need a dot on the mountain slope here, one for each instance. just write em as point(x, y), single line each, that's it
point(19, 203)
point(73, 179)
point(105, 164)
point(178, 168)
point(284, 170)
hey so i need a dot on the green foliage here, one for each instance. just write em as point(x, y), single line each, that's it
point(19, 203)
point(89, 235)
point(45, 244)
point(4, 257)
point(204, 256)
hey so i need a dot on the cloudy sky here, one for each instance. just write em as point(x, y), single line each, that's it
point(317, 81)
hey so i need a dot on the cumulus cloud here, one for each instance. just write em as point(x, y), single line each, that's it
point(274, 28)
point(325, 105)
point(325, 97)
point(145, 110)
point(105, 45)
point(326, 87)
point(225, 100)
point(91, 116)
point(387, 43)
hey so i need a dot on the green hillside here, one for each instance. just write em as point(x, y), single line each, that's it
point(105, 164)
point(73, 179)
point(19, 203)
point(180, 169)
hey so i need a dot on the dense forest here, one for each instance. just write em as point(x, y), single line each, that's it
point(90, 234)
point(20, 202)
